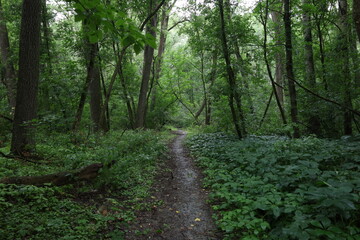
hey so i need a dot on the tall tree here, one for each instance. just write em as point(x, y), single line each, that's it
point(23, 135)
point(99, 122)
point(344, 41)
point(10, 75)
point(275, 83)
point(233, 94)
point(279, 55)
point(146, 74)
point(356, 15)
point(290, 68)
point(319, 19)
point(91, 53)
point(165, 16)
point(313, 120)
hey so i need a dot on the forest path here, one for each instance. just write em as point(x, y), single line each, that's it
point(184, 214)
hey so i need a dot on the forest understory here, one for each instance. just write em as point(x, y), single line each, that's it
point(93, 94)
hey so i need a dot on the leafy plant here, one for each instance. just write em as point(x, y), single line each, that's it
point(276, 188)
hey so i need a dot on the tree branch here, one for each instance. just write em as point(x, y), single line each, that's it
point(177, 23)
point(326, 99)
point(151, 15)
point(6, 118)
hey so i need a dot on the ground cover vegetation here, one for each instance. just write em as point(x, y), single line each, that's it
point(88, 86)
point(100, 209)
point(277, 188)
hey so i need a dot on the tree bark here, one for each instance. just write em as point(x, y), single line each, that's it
point(118, 65)
point(313, 120)
point(356, 16)
point(90, 74)
point(242, 68)
point(23, 135)
point(344, 53)
point(321, 51)
point(161, 49)
point(230, 73)
point(289, 69)
point(46, 66)
point(10, 75)
point(95, 92)
point(279, 56)
point(275, 86)
point(148, 60)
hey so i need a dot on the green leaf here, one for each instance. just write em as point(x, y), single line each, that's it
point(79, 17)
point(138, 48)
point(150, 40)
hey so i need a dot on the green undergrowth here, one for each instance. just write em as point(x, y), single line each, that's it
point(97, 210)
point(276, 188)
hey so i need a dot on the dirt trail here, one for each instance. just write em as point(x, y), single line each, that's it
point(184, 214)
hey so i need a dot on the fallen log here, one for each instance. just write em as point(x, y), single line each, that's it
point(57, 179)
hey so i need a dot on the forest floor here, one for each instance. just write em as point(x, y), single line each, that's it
point(184, 213)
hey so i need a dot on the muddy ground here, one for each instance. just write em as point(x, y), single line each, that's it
point(184, 214)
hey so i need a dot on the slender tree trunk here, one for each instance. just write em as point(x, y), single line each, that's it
point(105, 114)
point(91, 56)
point(242, 68)
point(161, 49)
point(279, 56)
point(208, 113)
point(344, 53)
point(10, 75)
point(118, 65)
point(46, 66)
point(355, 61)
point(148, 60)
point(289, 69)
point(356, 16)
point(128, 99)
point(322, 54)
point(23, 135)
point(313, 120)
point(230, 72)
point(273, 83)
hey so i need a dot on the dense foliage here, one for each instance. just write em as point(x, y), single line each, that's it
point(82, 81)
point(277, 188)
point(81, 211)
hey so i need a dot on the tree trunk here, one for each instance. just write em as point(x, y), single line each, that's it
point(289, 69)
point(242, 68)
point(356, 16)
point(212, 78)
point(355, 61)
point(148, 60)
point(23, 135)
point(313, 120)
point(161, 49)
point(273, 82)
point(10, 75)
point(279, 57)
point(344, 53)
point(230, 73)
point(208, 112)
point(46, 66)
point(99, 122)
point(89, 77)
